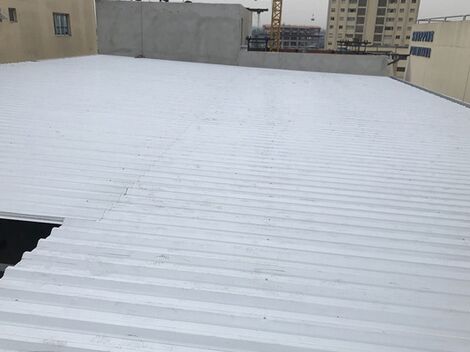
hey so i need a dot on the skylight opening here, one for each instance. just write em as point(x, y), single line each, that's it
point(20, 236)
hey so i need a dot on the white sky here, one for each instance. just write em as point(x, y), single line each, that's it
point(300, 11)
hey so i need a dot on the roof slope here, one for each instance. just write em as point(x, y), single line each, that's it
point(217, 208)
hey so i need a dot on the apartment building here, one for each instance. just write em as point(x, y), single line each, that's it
point(379, 22)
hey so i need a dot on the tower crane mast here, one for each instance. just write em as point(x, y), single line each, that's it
point(276, 22)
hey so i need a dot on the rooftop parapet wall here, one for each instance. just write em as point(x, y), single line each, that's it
point(211, 33)
point(371, 65)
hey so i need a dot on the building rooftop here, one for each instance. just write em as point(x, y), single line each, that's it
point(220, 208)
point(292, 26)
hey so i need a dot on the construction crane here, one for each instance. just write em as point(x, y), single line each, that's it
point(276, 23)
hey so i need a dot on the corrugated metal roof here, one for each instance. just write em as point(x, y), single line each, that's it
point(217, 208)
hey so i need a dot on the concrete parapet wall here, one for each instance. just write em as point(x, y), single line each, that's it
point(210, 33)
point(373, 65)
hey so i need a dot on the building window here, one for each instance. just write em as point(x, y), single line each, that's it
point(12, 15)
point(423, 36)
point(420, 51)
point(381, 12)
point(62, 24)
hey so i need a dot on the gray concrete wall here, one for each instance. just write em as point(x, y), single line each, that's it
point(373, 65)
point(210, 33)
point(119, 28)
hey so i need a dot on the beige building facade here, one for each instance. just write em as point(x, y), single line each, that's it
point(440, 57)
point(379, 22)
point(44, 29)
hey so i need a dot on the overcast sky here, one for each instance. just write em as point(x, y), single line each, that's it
point(300, 11)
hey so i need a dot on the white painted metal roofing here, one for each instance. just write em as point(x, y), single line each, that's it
point(217, 208)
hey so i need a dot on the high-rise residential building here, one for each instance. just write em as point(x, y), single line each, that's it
point(380, 22)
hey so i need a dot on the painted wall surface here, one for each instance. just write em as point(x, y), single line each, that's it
point(210, 33)
point(374, 65)
point(447, 71)
point(33, 37)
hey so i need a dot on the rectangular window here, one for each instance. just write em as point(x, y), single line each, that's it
point(420, 51)
point(381, 12)
point(12, 15)
point(423, 36)
point(62, 24)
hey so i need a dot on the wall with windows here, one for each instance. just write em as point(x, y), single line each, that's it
point(440, 58)
point(44, 29)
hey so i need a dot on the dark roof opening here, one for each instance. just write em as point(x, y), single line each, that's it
point(18, 237)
